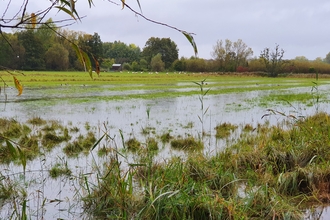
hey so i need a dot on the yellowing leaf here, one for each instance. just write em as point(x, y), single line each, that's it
point(18, 86)
point(72, 5)
point(123, 3)
point(97, 66)
point(33, 20)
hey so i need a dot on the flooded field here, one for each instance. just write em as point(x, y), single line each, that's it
point(89, 110)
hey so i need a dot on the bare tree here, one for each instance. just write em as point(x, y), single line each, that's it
point(273, 60)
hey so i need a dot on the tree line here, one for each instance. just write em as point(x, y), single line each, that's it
point(48, 47)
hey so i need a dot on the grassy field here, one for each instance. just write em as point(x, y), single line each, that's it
point(156, 84)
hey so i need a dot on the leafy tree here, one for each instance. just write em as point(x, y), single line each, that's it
point(179, 65)
point(164, 46)
point(10, 51)
point(157, 64)
point(272, 60)
point(121, 52)
point(195, 65)
point(135, 66)
point(230, 54)
point(57, 57)
point(33, 58)
point(144, 64)
point(301, 58)
point(327, 58)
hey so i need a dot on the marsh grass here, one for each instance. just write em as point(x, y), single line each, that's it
point(37, 121)
point(59, 169)
point(80, 144)
point(223, 130)
point(166, 137)
point(272, 173)
point(133, 145)
point(187, 144)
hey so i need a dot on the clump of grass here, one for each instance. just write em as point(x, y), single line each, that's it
point(103, 151)
point(224, 130)
point(37, 121)
point(166, 137)
point(152, 144)
point(30, 146)
point(133, 145)
point(50, 140)
point(12, 129)
point(58, 170)
point(248, 127)
point(53, 126)
point(80, 144)
point(147, 130)
point(189, 125)
point(187, 144)
point(87, 126)
point(74, 129)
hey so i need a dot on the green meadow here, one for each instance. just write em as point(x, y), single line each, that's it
point(157, 85)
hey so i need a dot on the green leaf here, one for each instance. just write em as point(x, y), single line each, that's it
point(97, 142)
point(22, 157)
point(79, 55)
point(60, 8)
point(87, 63)
point(191, 40)
point(12, 149)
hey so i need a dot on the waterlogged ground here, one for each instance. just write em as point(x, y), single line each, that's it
point(110, 108)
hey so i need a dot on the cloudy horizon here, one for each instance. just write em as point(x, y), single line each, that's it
point(298, 26)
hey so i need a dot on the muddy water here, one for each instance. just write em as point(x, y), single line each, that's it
point(179, 116)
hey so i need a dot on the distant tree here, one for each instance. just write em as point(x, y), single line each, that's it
point(10, 52)
point(135, 66)
point(144, 64)
point(230, 54)
point(318, 59)
point(272, 60)
point(57, 57)
point(157, 64)
point(93, 46)
point(327, 58)
point(33, 57)
point(195, 65)
point(301, 58)
point(107, 63)
point(164, 46)
point(179, 65)
point(121, 52)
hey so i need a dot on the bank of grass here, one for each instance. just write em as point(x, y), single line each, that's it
point(271, 173)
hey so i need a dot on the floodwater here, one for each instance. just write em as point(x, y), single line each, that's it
point(180, 116)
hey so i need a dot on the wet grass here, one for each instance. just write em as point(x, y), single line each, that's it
point(273, 172)
point(223, 130)
point(80, 144)
point(79, 87)
point(58, 170)
point(187, 144)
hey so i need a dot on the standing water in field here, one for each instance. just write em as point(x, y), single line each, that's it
point(180, 117)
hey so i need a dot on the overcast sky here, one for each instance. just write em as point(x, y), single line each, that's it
point(300, 27)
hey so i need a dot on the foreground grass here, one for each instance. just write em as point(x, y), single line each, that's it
point(270, 173)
